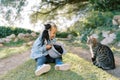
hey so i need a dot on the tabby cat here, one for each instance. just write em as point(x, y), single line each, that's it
point(102, 56)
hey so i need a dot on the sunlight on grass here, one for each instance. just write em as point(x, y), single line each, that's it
point(116, 51)
point(80, 70)
point(8, 51)
point(86, 69)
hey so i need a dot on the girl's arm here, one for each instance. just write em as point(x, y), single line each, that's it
point(38, 45)
point(43, 48)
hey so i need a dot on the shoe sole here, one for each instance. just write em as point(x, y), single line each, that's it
point(63, 67)
point(44, 69)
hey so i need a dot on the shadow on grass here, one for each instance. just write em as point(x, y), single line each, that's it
point(61, 75)
point(115, 72)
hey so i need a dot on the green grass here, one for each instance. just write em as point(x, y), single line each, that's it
point(18, 43)
point(12, 48)
point(80, 70)
point(9, 51)
point(116, 51)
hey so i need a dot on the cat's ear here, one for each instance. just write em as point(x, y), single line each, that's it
point(94, 41)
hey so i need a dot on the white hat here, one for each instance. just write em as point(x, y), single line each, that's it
point(55, 53)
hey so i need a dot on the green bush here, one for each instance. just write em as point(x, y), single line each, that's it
point(95, 22)
point(74, 33)
point(62, 34)
point(99, 19)
point(86, 33)
point(105, 5)
point(6, 31)
point(118, 36)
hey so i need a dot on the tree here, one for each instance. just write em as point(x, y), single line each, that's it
point(46, 10)
point(10, 9)
point(106, 5)
point(52, 9)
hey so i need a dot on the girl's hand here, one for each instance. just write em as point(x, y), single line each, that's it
point(48, 47)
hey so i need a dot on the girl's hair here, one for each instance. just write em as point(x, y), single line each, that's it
point(45, 34)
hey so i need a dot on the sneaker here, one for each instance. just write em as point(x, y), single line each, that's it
point(62, 67)
point(42, 69)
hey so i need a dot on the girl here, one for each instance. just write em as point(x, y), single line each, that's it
point(40, 51)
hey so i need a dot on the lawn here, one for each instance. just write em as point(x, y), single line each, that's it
point(12, 48)
point(80, 70)
point(9, 51)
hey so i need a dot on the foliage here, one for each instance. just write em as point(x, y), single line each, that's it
point(105, 5)
point(99, 19)
point(54, 9)
point(11, 9)
point(118, 36)
point(74, 33)
point(12, 3)
point(65, 34)
point(86, 33)
point(14, 44)
point(62, 34)
point(6, 31)
point(46, 10)
point(94, 22)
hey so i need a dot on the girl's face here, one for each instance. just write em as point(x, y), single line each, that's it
point(52, 33)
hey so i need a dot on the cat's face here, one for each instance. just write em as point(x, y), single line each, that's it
point(91, 41)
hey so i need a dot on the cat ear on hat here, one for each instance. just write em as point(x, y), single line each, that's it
point(47, 26)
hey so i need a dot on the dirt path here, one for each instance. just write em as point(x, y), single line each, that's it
point(86, 55)
point(10, 63)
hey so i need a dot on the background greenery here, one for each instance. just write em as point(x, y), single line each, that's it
point(6, 31)
point(106, 5)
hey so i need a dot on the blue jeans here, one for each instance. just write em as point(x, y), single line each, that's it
point(47, 59)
